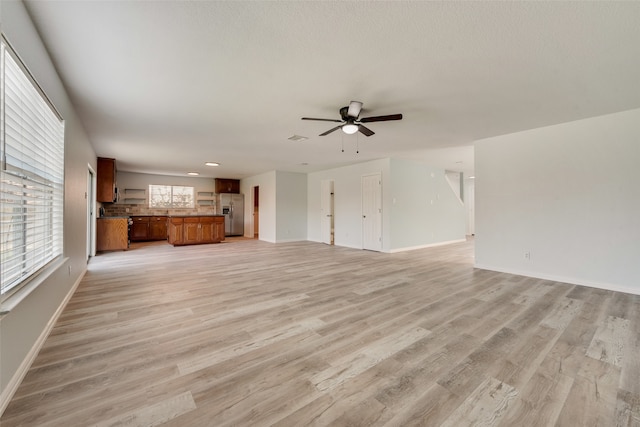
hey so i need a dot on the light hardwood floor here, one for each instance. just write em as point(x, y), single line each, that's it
point(249, 333)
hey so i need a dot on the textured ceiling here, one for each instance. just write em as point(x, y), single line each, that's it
point(164, 86)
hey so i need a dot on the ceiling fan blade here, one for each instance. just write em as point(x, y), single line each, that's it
point(381, 118)
point(322, 120)
point(365, 130)
point(354, 109)
point(330, 130)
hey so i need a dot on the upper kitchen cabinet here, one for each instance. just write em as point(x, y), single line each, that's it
point(224, 185)
point(106, 180)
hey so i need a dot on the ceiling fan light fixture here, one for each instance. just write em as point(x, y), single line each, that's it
point(350, 128)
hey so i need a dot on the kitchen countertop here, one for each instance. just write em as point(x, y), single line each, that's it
point(113, 217)
point(191, 216)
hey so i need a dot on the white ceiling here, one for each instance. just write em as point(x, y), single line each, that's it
point(164, 86)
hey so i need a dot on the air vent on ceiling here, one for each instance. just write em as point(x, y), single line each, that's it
point(297, 138)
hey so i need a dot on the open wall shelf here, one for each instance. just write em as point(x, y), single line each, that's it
point(135, 196)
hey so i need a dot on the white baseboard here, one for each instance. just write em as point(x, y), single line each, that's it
point(290, 240)
point(14, 382)
point(562, 279)
point(430, 245)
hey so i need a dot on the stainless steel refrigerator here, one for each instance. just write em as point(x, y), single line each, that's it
point(232, 207)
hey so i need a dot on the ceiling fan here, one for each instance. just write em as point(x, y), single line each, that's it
point(349, 122)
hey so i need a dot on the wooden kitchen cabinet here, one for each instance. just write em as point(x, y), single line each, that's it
point(139, 229)
point(106, 180)
point(208, 228)
point(224, 185)
point(176, 231)
point(148, 228)
point(192, 233)
point(195, 230)
point(111, 234)
point(158, 228)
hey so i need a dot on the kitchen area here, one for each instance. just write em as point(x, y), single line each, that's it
point(136, 207)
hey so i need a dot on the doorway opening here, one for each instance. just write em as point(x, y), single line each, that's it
point(89, 195)
point(256, 212)
point(327, 217)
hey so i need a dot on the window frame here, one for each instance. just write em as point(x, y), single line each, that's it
point(171, 203)
point(31, 178)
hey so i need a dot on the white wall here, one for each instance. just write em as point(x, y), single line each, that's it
point(419, 208)
point(143, 180)
point(26, 326)
point(566, 194)
point(347, 203)
point(131, 180)
point(469, 204)
point(291, 206)
point(267, 205)
point(453, 178)
point(424, 208)
point(282, 206)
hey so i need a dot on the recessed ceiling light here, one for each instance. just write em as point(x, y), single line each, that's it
point(212, 164)
point(193, 173)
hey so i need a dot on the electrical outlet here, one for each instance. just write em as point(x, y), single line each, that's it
point(527, 256)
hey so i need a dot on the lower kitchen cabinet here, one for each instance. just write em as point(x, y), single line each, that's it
point(139, 228)
point(192, 231)
point(212, 228)
point(158, 228)
point(195, 230)
point(111, 234)
point(148, 228)
point(176, 231)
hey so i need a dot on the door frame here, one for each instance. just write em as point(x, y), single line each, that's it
point(255, 202)
point(90, 197)
point(327, 227)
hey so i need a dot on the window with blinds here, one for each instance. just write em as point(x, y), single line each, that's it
point(32, 176)
point(171, 196)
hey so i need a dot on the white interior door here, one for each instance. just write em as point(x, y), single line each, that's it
point(326, 211)
point(372, 212)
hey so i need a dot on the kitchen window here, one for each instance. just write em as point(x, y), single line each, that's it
point(171, 197)
point(31, 176)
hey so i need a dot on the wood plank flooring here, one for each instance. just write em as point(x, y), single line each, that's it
point(248, 333)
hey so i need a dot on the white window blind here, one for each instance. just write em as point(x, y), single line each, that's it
point(32, 176)
point(171, 196)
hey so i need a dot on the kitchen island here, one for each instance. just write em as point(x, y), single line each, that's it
point(195, 229)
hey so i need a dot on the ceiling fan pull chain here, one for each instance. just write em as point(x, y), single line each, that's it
point(342, 139)
point(357, 144)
